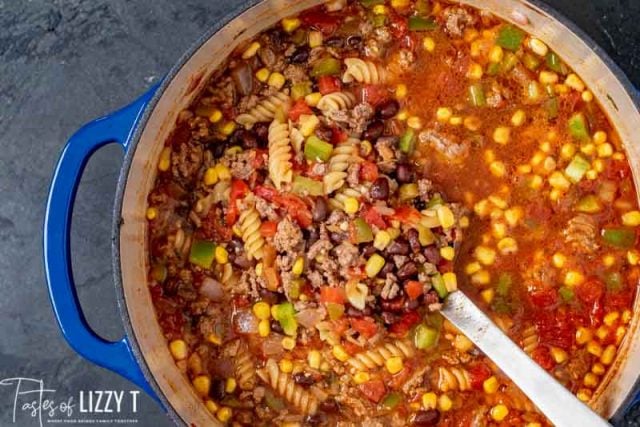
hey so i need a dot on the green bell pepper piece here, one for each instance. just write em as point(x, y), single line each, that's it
point(578, 127)
point(407, 142)
point(551, 107)
point(326, 67)
point(300, 90)
point(530, 61)
point(418, 23)
point(408, 191)
point(362, 230)
point(476, 95)
point(589, 204)
point(334, 310)
point(202, 253)
point(554, 62)
point(438, 284)
point(285, 314)
point(504, 284)
point(566, 293)
point(577, 168)
point(159, 273)
point(391, 400)
point(316, 149)
point(613, 281)
point(619, 237)
point(425, 337)
point(307, 186)
point(510, 37)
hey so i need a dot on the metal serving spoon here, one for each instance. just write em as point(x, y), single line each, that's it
point(557, 403)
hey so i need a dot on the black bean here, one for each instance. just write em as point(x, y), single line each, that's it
point(337, 237)
point(217, 390)
point(373, 131)
point(324, 133)
point(411, 304)
point(426, 418)
point(389, 318)
point(388, 268)
point(432, 254)
point(419, 204)
point(368, 251)
point(275, 327)
point(404, 173)
point(242, 261)
point(300, 55)
point(329, 405)
point(398, 247)
point(407, 271)
point(380, 189)
point(414, 241)
point(320, 209)
point(354, 312)
point(245, 138)
point(388, 109)
point(261, 131)
point(335, 41)
point(217, 148)
point(395, 305)
point(354, 42)
point(304, 379)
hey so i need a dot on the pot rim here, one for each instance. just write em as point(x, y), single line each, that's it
point(620, 75)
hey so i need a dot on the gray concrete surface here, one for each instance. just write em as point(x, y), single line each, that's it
point(64, 62)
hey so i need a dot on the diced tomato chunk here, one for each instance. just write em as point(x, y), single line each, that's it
point(320, 20)
point(372, 217)
point(268, 228)
point(332, 295)
point(406, 215)
point(542, 356)
point(590, 291)
point(543, 297)
point(414, 289)
point(365, 326)
point(477, 374)
point(328, 84)
point(296, 207)
point(374, 94)
point(299, 108)
point(399, 26)
point(266, 192)
point(368, 171)
point(405, 323)
point(373, 390)
point(338, 135)
point(238, 190)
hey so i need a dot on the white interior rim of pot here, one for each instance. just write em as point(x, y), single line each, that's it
point(602, 76)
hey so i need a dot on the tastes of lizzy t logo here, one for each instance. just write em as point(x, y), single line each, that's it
point(33, 401)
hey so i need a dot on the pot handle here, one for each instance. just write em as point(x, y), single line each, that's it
point(117, 127)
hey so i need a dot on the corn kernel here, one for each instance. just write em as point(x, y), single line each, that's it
point(555, 195)
point(224, 414)
point(574, 82)
point(165, 159)
point(221, 254)
point(381, 240)
point(538, 47)
point(626, 316)
point(429, 400)
point(227, 128)
point(450, 281)
point(264, 328)
point(559, 181)
point(490, 385)
point(618, 156)
point(518, 118)
point(401, 90)
point(455, 121)
point(611, 318)
point(429, 44)
point(583, 335)
point(591, 174)
point(485, 255)
point(587, 96)
point(211, 406)
point(533, 424)
point(315, 39)
point(599, 137)
point(513, 215)
point(590, 380)
point(179, 349)
point(473, 267)
point(472, 123)
point(608, 355)
point(481, 208)
point(499, 412)
point(414, 122)
point(394, 364)
point(558, 354)
point(202, 384)
point(286, 366)
point(470, 34)
point(288, 343)
point(262, 310)
point(444, 403)
point(488, 295)
point(314, 359)
point(605, 150)
point(462, 343)
point(497, 169)
point(620, 332)
point(251, 51)
point(313, 98)
point(259, 266)
point(501, 135)
point(594, 348)
point(573, 278)
point(548, 77)
point(380, 9)
point(361, 377)
point(475, 71)
point(496, 53)
point(289, 25)
point(445, 216)
point(276, 80)
point(447, 253)
point(374, 265)
point(464, 222)
point(584, 395)
point(482, 277)
point(508, 245)
point(598, 165)
point(308, 124)
point(567, 151)
point(631, 218)
point(558, 260)
point(340, 353)
point(498, 229)
point(588, 149)
point(152, 213)
point(602, 333)
point(598, 368)
point(351, 205)
point(443, 114)
point(263, 74)
point(230, 385)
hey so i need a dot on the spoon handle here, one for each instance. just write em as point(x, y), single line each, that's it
point(559, 405)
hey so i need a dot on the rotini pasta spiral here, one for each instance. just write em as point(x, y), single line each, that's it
point(297, 138)
point(343, 155)
point(363, 72)
point(336, 101)
point(264, 111)
point(249, 224)
point(513, 398)
point(279, 154)
point(337, 201)
point(245, 370)
point(282, 384)
point(376, 357)
point(529, 339)
point(453, 378)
